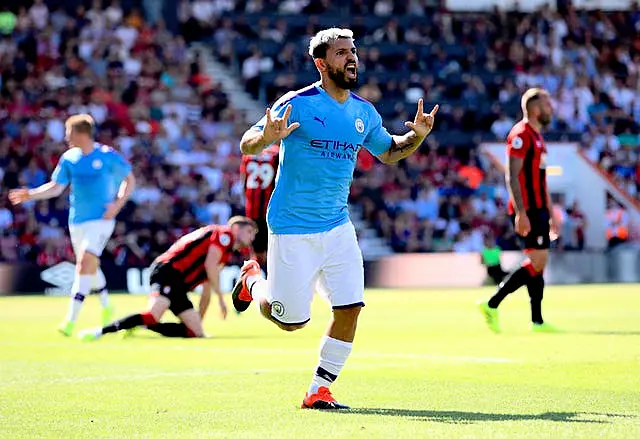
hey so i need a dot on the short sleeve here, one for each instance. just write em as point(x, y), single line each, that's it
point(243, 164)
point(120, 167)
point(278, 110)
point(518, 144)
point(378, 140)
point(223, 240)
point(61, 174)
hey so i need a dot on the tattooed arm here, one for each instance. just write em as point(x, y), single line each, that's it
point(401, 147)
point(514, 167)
point(404, 146)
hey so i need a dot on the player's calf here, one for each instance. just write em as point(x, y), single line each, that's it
point(192, 322)
point(159, 305)
point(85, 270)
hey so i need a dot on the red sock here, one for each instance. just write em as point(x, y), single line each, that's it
point(148, 319)
point(527, 265)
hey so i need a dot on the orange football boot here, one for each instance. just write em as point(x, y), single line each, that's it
point(322, 400)
point(240, 294)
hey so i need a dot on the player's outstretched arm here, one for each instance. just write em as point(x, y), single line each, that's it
point(254, 140)
point(44, 192)
point(403, 146)
point(212, 267)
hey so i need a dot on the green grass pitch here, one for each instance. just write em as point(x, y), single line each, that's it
point(424, 366)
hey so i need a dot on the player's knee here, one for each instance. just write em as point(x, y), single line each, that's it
point(347, 314)
point(88, 264)
point(538, 260)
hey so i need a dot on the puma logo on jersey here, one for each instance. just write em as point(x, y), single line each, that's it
point(316, 118)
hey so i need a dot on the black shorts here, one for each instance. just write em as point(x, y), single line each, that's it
point(260, 244)
point(538, 237)
point(167, 281)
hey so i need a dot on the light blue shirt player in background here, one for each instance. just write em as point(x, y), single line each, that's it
point(93, 171)
point(312, 242)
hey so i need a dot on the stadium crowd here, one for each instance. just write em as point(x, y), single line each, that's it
point(150, 99)
point(155, 103)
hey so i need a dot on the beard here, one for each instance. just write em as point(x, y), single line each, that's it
point(544, 119)
point(340, 78)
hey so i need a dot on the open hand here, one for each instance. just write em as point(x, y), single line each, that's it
point(523, 225)
point(278, 128)
point(223, 308)
point(423, 122)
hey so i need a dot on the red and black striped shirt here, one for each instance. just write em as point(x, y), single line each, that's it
point(527, 144)
point(259, 180)
point(188, 254)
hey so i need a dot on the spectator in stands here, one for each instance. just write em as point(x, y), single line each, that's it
point(617, 224)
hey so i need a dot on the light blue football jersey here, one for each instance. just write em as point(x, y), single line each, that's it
point(317, 159)
point(94, 179)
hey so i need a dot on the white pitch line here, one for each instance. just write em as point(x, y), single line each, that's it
point(194, 373)
point(268, 351)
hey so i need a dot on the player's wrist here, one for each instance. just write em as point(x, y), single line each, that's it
point(264, 141)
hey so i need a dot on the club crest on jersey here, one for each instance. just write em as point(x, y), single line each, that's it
point(96, 164)
point(277, 308)
point(540, 240)
point(538, 144)
point(359, 125)
point(225, 239)
point(517, 143)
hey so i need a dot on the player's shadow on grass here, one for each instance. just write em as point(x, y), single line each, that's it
point(607, 332)
point(456, 417)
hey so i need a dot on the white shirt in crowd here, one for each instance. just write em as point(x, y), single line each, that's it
point(252, 66)
point(220, 211)
point(471, 243)
point(128, 35)
point(6, 218)
point(55, 129)
point(487, 206)
point(202, 10)
point(114, 14)
point(622, 97)
point(39, 15)
point(501, 127)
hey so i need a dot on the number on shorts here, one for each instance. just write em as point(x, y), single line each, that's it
point(259, 175)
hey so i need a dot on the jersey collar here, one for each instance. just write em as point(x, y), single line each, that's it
point(323, 92)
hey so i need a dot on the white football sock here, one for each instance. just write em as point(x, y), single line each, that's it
point(100, 285)
point(258, 287)
point(333, 355)
point(99, 281)
point(79, 291)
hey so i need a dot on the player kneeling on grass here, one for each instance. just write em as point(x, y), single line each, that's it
point(194, 259)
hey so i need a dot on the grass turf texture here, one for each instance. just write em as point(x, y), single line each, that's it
point(424, 365)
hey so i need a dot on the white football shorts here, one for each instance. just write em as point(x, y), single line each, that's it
point(329, 262)
point(91, 236)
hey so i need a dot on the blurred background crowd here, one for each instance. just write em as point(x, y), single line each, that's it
point(133, 71)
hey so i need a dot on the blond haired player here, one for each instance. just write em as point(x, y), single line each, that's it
point(93, 171)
